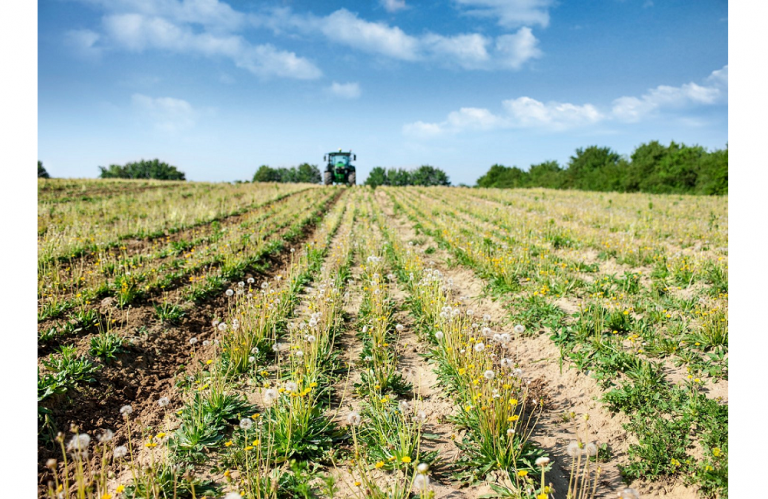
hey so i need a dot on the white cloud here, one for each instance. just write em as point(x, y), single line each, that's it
point(213, 14)
point(526, 112)
point(166, 113)
point(137, 32)
point(345, 27)
point(632, 109)
point(345, 90)
point(516, 49)
point(468, 50)
point(510, 13)
point(392, 6)
point(83, 43)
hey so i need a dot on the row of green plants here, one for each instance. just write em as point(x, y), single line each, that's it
point(206, 264)
point(217, 424)
point(620, 323)
point(71, 230)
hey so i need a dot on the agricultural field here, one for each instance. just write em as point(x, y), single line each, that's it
point(290, 340)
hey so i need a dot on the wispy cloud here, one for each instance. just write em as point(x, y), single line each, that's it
point(634, 109)
point(526, 112)
point(165, 113)
point(344, 90)
point(392, 6)
point(509, 13)
point(467, 50)
point(83, 43)
point(137, 32)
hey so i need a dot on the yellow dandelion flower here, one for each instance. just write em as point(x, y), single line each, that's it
point(406, 459)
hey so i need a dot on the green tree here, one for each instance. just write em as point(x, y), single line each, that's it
point(588, 167)
point(713, 173)
point(308, 174)
point(503, 177)
point(429, 175)
point(398, 176)
point(266, 174)
point(377, 177)
point(548, 174)
point(154, 169)
point(41, 171)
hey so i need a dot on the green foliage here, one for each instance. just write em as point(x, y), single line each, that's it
point(425, 175)
point(652, 167)
point(106, 345)
point(41, 171)
point(67, 372)
point(304, 173)
point(154, 169)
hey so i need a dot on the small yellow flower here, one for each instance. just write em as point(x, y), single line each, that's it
point(357, 483)
point(716, 452)
point(255, 442)
point(120, 489)
point(227, 473)
point(228, 444)
point(522, 473)
point(514, 418)
point(406, 459)
point(380, 464)
point(391, 458)
point(249, 448)
point(160, 435)
point(208, 362)
point(462, 371)
point(106, 496)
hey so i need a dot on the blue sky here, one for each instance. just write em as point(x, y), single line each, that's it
point(219, 87)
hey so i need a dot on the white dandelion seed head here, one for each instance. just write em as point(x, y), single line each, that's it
point(506, 363)
point(215, 322)
point(126, 410)
point(241, 284)
point(486, 331)
point(505, 337)
point(510, 432)
point(439, 335)
point(489, 374)
point(487, 318)
point(251, 359)
point(365, 329)
point(354, 419)
point(229, 292)
point(422, 468)
point(479, 347)
point(573, 449)
point(206, 343)
point(291, 386)
point(246, 424)
point(299, 353)
point(79, 443)
point(192, 340)
point(421, 417)
point(255, 350)
point(235, 495)
point(311, 339)
point(404, 406)
point(421, 483)
point(222, 327)
point(399, 327)
point(470, 312)
point(591, 449)
point(120, 451)
point(251, 280)
point(106, 436)
point(271, 395)
point(497, 338)
point(519, 329)
point(163, 401)
point(542, 461)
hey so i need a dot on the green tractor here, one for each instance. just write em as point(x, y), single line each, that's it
point(339, 170)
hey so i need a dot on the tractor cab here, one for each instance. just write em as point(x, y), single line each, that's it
point(338, 169)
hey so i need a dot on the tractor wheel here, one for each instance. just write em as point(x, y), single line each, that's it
point(352, 178)
point(328, 178)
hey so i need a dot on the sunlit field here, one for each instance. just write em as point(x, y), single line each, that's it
point(267, 340)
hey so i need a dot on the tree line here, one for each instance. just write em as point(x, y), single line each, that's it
point(304, 173)
point(652, 167)
point(424, 175)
